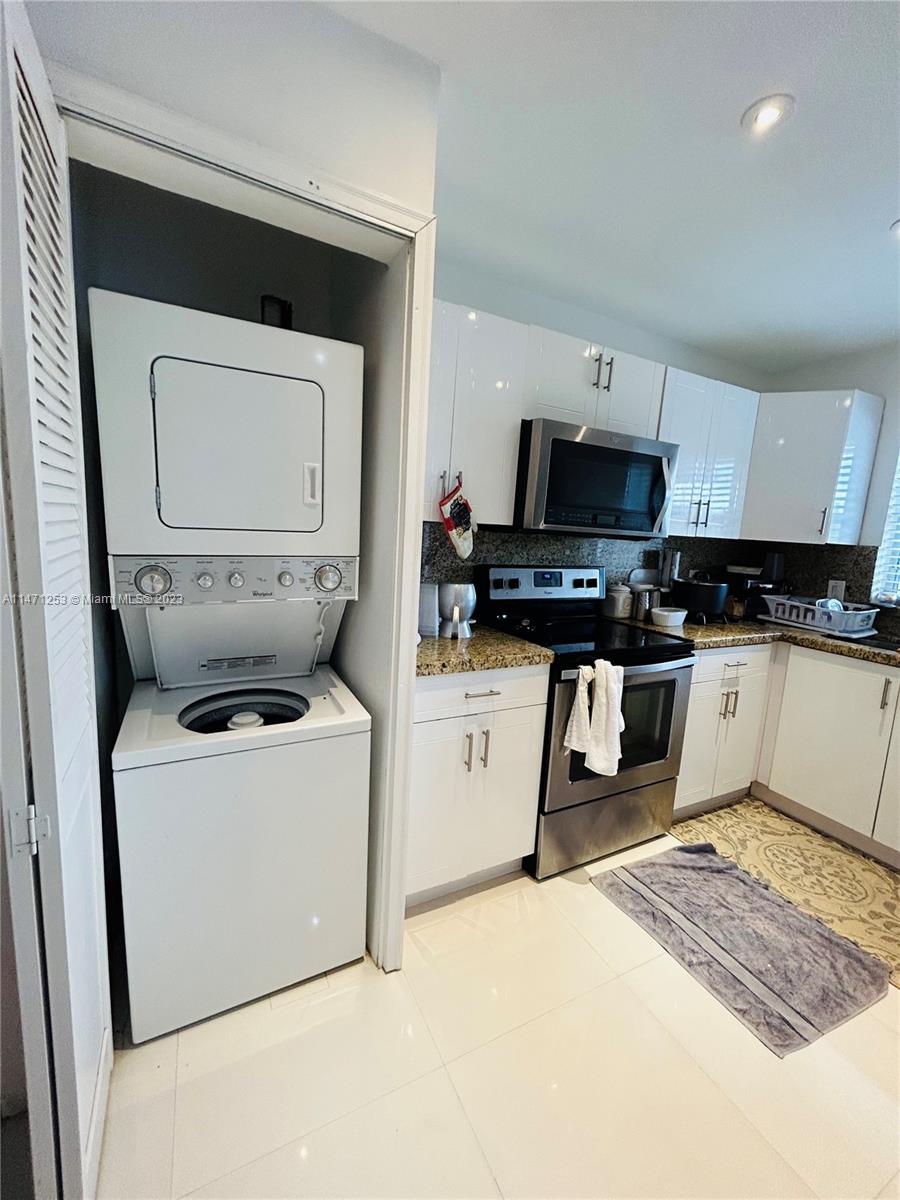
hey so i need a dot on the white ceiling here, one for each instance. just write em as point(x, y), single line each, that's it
point(592, 152)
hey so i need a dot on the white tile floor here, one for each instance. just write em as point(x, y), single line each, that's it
point(537, 1043)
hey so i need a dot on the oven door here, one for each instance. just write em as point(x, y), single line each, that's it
point(575, 478)
point(654, 705)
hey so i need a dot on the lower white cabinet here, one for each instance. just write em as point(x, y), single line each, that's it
point(834, 735)
point(474, 791)
point(887, 819)
point(724, 726)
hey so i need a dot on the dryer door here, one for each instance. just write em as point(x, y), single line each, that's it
point(236, 449)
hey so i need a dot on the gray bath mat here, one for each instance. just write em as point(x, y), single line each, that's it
point(787, 976)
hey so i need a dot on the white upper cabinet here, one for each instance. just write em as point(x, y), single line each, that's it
point(561, 377)
point(713, 425)
point(812, 460)
point(442, 384)
point(629, 394)
point(727, 460)
point(488, 407)
point(685, 420)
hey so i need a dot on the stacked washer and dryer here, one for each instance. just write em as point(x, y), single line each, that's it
point(231, 460)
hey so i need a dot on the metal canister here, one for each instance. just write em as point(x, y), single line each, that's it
point(641, 605)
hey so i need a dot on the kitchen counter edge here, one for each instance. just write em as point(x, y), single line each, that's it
point(491, 650)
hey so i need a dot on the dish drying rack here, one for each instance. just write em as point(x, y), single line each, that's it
point(855, 620)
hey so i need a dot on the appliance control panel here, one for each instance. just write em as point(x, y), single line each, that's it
point(148, 580)
point(547, 583)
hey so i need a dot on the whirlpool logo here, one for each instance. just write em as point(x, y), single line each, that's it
point(261, 595)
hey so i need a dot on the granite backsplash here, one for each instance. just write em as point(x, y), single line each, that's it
point(807, 568)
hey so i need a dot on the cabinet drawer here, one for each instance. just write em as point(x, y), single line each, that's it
point(479, 691)
point(732, 663)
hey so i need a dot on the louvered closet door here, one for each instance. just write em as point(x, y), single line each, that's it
point(43, 426)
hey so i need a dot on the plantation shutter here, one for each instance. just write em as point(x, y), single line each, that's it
point(886, 583)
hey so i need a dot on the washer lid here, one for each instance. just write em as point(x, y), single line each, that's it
point(236, 449)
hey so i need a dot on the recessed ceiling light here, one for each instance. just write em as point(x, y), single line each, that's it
point(766, 113)
point(895, 228)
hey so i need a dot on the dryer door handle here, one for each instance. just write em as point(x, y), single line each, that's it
point(312, 490)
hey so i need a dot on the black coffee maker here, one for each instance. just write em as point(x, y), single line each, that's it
point(748, 587)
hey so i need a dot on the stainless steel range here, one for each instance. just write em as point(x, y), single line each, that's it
point(582, 815)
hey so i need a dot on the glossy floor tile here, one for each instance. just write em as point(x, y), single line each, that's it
point(597, 1098)
point(619, 940)
point(832, 1109)
point(581, 1060)
point(492, 962)
point(257, 1078)
point(136, 1158)
point(416, 1142)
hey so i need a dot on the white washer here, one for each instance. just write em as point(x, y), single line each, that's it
point(243, 851)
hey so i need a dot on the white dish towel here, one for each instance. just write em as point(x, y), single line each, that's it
point(594, 729)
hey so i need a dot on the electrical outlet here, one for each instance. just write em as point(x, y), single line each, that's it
point(836, 589)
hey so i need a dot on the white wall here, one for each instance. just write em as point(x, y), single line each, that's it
point(294, 77)
point(875, 371)
point(464, 284)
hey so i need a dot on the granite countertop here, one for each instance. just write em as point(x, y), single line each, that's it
point(490, 650)
point(487, 650)
point(754, 633)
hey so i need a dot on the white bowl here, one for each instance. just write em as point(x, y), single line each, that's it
point(668, 616)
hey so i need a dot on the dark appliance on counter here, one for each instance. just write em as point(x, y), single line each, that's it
point(575, 479)
point(746, 592)
point(583, 816)
point(703, 598)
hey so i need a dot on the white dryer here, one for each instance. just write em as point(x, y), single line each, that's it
point(224, 437)
point(243, 834)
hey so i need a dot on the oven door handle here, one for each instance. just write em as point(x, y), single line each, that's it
point(642, 668)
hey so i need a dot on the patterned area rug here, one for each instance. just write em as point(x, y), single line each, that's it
point(852, 894)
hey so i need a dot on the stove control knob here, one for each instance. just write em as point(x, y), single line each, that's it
point(236, 579)
point(153, 581)
point(205, 581)
point(328, 578)
point(285, 579)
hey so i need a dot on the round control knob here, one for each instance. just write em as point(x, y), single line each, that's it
point(153, 581)
point(328, 577)
point(205, 581)
point(285, 579)
point(236, 579)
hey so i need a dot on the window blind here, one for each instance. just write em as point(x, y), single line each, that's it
point(886, 582)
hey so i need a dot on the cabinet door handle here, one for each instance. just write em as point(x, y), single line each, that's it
point(487, 747)
point(470, 750)
point(608, 385)
point(723, 711)
point(885, 693)
point(737, 664)
point(599, 361)
point(822, 522)
point(734, 703)
point(481, 695)
point(706, 519)
point(699, 504)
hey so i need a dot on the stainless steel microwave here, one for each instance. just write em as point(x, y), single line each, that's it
point(580, 480)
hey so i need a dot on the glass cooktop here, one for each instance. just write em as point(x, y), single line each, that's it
point(582, 639)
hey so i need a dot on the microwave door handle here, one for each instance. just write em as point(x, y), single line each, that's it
point(667, 480)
